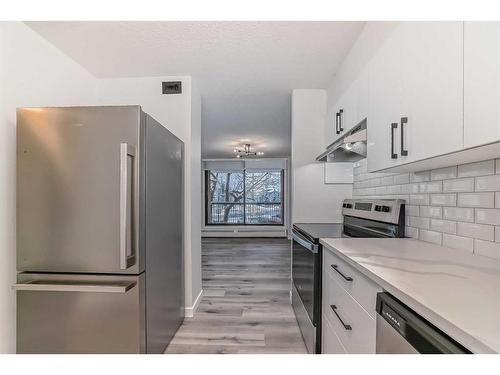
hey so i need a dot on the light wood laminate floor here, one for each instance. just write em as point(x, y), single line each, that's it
point(246, 305)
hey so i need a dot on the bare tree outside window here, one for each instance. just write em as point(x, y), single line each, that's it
point(244, 197)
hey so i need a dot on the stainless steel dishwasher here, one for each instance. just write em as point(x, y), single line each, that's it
point(402, 331)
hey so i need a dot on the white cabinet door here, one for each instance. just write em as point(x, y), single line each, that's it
point(353, 107)
point(348, 109)
point(362, 96)
point(335, 120)
point(417, 74)
point(481, 83)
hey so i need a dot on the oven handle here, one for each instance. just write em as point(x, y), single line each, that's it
point(367, 230)
point(304, 243)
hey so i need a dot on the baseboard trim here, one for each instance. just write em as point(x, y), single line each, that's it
point(189, 311)
point(244, 234)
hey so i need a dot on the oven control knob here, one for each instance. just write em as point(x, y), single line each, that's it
point(348, 205)
point(386, 209)
point(378, 208)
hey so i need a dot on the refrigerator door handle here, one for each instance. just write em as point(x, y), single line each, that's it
point(47, 286)
point(127, 207)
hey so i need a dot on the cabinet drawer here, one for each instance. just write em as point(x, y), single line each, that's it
point(361, 288)
point(330, 342)
point(354, 327)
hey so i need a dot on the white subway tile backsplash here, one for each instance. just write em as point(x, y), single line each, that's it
point(459, 185)
point(429, 211)
point(387, 180)
point(444, 173)
point(444, 226)
point(420, 176)
point(402, 179)
point(484, 200)
point(409, 188)
point(481, 168)
point(444, 199)
point(488, 183)
point(487, 248)
point(457, 206)
point(459, 214)
point(394, 189)
point(419, 222)
point(431, 187)
point(430, 236)
point(411, 232)
point(458, 242)
point(488, 216)
point(412, 210)
point(480, 231)
point(419, 199)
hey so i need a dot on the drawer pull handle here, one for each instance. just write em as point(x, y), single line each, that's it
point(347, 327)
point(336, 268)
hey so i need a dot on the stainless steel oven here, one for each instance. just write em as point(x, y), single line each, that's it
point(305, 269)
point(361, 218)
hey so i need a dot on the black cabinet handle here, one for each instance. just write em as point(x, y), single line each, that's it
point(341, 120)
point(337, 122)
point(394, 126)
point(347, 327)
point(336, 268)
point(404, 120)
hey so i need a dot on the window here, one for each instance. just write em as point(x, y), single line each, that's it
point(247, 197)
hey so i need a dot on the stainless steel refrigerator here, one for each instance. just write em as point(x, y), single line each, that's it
point(99, 231)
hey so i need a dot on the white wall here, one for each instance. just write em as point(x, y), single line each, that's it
point(196, 200)
point(312, 200)
point(34, 73)
point(181, 114)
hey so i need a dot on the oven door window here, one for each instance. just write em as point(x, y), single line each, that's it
point(304, 274)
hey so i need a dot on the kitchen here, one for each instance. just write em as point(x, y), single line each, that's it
point(337, 210)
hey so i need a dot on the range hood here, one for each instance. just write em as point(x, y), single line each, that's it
point(350, 147)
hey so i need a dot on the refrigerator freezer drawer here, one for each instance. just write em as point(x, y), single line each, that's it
point(80, 314)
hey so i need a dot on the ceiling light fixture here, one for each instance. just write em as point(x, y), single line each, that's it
point(246, 151)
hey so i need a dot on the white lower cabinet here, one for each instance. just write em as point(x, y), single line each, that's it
point(330, 343)
point(348, 325)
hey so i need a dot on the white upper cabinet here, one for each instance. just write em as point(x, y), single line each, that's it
point(415, 101)
point(349, 110)
point(481, 83)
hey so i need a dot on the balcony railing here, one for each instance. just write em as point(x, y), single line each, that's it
point(245, 214)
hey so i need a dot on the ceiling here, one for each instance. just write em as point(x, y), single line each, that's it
point(245, 70)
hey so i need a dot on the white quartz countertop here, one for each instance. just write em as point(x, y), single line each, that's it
point(455, 290)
